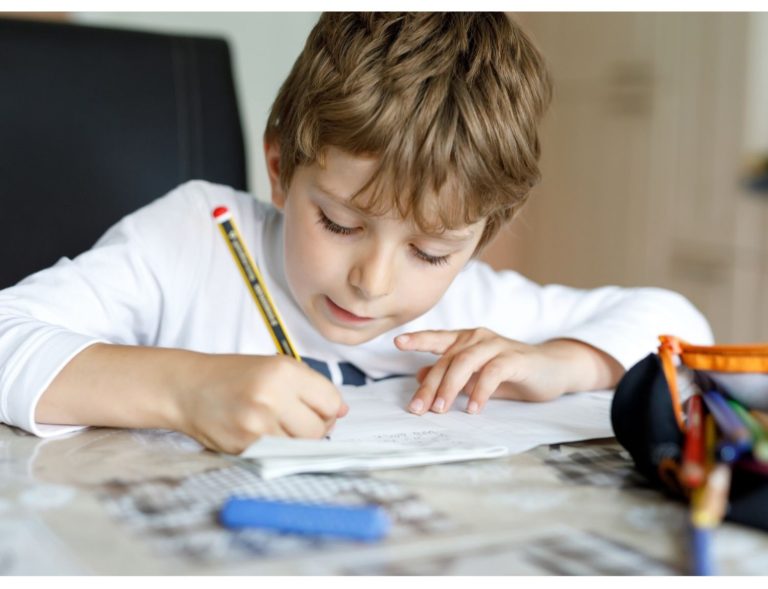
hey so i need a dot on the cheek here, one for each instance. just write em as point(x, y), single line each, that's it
point(308, 258)
point(424, 290)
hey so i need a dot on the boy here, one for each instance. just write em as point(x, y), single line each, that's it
point(396, 148)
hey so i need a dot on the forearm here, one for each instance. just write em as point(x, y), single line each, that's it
point(120, 386)
point(224, 401)
point(584, 367)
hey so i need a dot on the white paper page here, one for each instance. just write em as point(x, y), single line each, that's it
point(379, 424)
point(378, 414)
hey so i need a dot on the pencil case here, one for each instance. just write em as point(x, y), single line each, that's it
point(647, 416)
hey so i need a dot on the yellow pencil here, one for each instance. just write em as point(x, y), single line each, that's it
point(255, 282)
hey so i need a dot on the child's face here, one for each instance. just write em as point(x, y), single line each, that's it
point(357, 276)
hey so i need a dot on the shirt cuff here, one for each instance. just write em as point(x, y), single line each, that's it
point(49, 353)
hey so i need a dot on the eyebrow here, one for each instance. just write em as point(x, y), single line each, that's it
point(338, 199)
point(464, 236)
point(451, 236)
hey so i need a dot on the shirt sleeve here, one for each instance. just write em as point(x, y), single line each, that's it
point(111, 293)
point(623, 322)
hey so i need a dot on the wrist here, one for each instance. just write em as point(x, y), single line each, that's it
point(190, 373)
point(582, 366)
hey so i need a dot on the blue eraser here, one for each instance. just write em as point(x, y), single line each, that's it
point(367, 522)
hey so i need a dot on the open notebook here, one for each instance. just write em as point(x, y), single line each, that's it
point(379, 432)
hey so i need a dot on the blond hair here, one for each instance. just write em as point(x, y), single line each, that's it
point(448, 100)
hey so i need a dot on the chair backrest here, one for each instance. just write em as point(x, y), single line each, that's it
point(97, 122)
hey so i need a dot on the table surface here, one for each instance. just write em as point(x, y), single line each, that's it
point(109, 501)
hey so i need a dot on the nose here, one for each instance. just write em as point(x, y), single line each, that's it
point(372, 272)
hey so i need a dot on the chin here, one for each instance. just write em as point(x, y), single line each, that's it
point(347, 337)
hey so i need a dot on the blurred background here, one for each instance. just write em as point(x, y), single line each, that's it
point(654, 150)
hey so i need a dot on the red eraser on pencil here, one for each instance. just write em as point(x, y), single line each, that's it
point(219, 211)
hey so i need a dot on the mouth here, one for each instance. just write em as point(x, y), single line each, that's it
point(343, 315)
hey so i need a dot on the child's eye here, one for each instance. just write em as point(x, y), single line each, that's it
point(434, 260)
point(333, 227)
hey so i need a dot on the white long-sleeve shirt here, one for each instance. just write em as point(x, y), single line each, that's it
point(163, 276)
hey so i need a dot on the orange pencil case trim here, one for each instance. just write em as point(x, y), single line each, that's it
point(717, 358)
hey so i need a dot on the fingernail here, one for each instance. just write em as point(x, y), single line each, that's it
point(402, 339)
point(439, 404)
point(472, 407)
point(416, 406)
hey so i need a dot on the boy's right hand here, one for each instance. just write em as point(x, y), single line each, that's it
point(235, 399)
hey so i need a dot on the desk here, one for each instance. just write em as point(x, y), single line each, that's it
point(143, 502)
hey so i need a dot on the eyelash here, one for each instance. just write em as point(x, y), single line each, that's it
point(341, 230)
point(331, 226)
point(432, 260)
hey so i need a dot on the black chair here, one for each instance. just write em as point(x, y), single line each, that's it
point(95, 123)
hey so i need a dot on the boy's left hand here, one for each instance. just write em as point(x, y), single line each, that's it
point(483, 364)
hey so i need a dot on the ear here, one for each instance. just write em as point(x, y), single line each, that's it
point(272, 155)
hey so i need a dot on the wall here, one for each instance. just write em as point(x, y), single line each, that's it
point(644, 161)
point(756, 130)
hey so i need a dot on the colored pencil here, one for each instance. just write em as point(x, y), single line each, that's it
point(708, 507)
point(759, 438)
point(702, 563)
point(729, 451)
point(693, 469)
point(728, 422)
point(710, 440)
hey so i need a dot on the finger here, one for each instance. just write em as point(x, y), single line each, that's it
point(463, 365)
point(469, 387)
point(343, 411)
point(420, 402)
point(422, 373)
point(330, 408)
point(424, 396)
point(321, 395)
point(435, 341)
point(249, 426)
point(272, 426)
point(301, 421)
point(488, 381)
point(331, 422)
